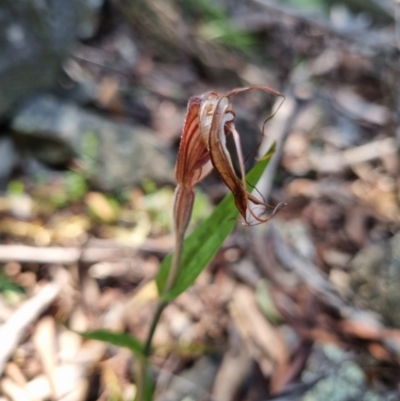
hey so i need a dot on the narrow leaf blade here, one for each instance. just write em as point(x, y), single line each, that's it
point(120, 339)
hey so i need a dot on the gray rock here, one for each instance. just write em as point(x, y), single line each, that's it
point(375, 279)
point(7, 158)
point(334, 374)
point(337, 376)
point(113, 154)
point(35, 37)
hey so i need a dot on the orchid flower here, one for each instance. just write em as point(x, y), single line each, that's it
point(209, 120)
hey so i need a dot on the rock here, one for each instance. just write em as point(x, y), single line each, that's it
point(35, 37)
point(336, 375)
point(113, 154)
point(375, 279)
point(7, 158)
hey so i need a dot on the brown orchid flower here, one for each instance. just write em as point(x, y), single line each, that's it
point(209, 120)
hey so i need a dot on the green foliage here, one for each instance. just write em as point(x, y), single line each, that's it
point(122, 195)
point(214, 24)
point(76, 181)
point(89, 150)
point(316, 7)
point(10, 290)
point(206, 8)
point(222, 30)
point(201, 246)
point(133, 344)
point(7, 285)
point(15, 187)
point(149, 186)
point(76, 185)
point(120, 339)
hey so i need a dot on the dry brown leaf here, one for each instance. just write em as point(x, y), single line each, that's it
point(262, 339)
point(44, 339)
point(235, 367)
point(100, 206)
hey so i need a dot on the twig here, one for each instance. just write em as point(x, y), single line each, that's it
point(31, 254)
point(12, 331)
point(61, 255)
point(339, 161)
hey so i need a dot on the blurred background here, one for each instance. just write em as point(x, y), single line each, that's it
point(93, 95)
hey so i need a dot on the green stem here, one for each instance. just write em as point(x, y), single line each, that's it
point(140, 379)
point(160, 307)
point(183, 206)
point(175, 263)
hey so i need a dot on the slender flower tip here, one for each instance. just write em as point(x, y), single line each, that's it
point(259, 220)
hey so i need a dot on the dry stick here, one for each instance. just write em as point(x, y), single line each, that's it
point(12, 331)
point(96, 251)
point(340, 161)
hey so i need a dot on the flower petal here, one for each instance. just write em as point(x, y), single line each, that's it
point(209, 119)
point(223, 124)
point(207, 109)
point(220, 156)
point(193, 157)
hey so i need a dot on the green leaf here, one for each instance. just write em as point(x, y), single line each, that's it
point(7, 285)
point(201, 246)
point(119, 339)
